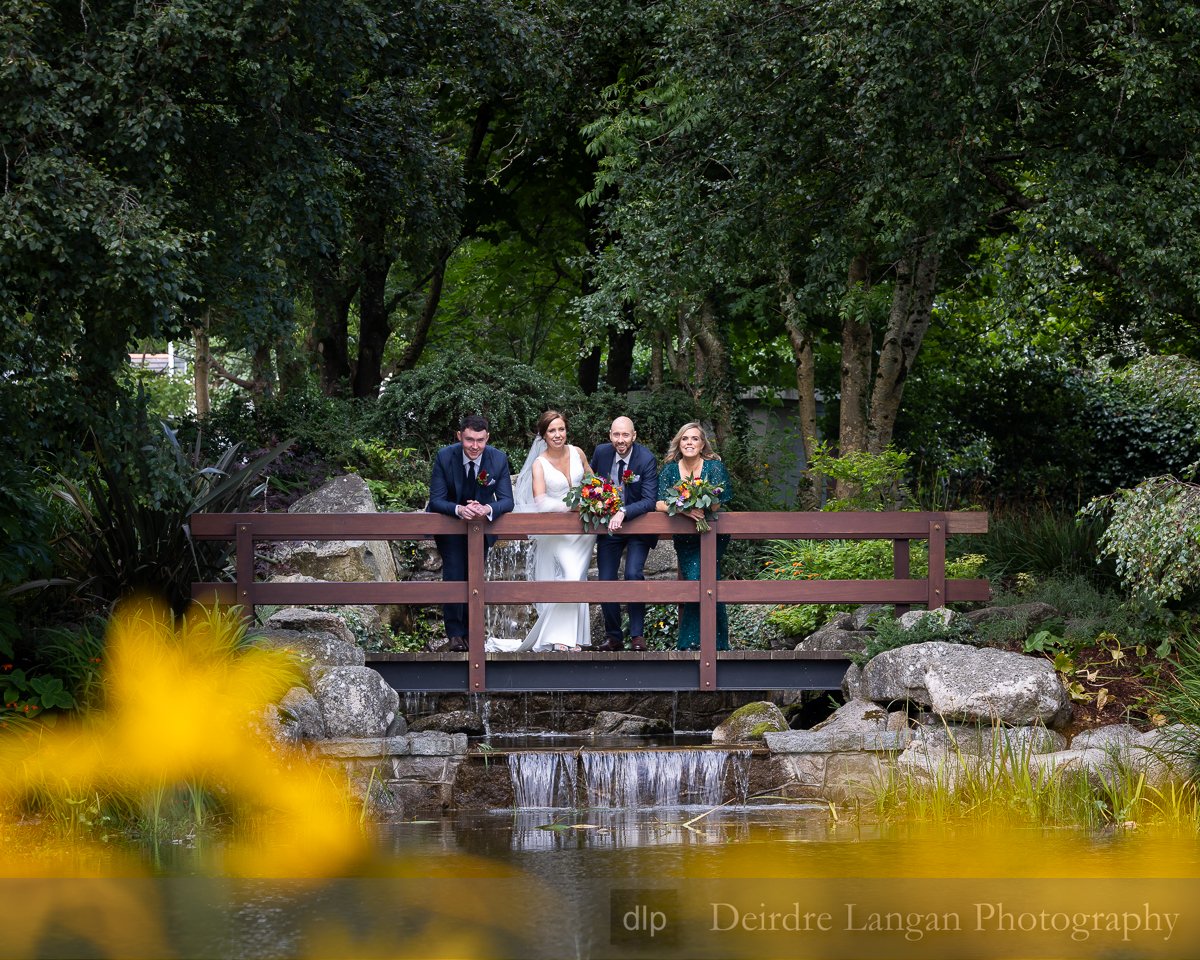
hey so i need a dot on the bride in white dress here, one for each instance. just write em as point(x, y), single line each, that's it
point(551, 469)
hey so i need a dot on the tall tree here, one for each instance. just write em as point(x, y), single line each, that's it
point(851, 156)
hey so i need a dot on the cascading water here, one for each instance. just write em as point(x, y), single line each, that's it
point(659, 778)
point(629, 779)
point(481, 705)
point(507, 561)
point(544, 779)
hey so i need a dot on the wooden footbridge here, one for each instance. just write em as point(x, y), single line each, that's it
point(477, 671)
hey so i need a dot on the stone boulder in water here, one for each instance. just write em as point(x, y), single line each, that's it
point(611, 724)
point(455, 721)
point(751, 722)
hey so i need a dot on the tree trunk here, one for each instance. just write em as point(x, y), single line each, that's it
point(437, 278)
point(332, 295)
point(857, 356)
point(262, 373)
point(800, 337)
point(589, 370)
point(420, 333)
point(713, 378)
point(908, 321)
point(656, 361)
point(200, 370)
point(373, 313)
point(619, 367)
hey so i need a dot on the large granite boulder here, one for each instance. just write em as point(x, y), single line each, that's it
point(340, 561)
point(750, 722)
point(365, 623)
point(300, 714)
point(316, 648)
point(296, 719)
point(302, 619)
point(964, 683)
point(984, 740)
point(839, 634)
point(938, 617)
point(355, 701)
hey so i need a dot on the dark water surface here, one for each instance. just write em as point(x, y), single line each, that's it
point(738, 881)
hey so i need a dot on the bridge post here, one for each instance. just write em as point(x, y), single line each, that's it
point(476, 607)
point(245, 570)
point(901, 554)
point(937, 563)
point(708, 610)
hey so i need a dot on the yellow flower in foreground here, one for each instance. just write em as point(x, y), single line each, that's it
point(181, 712)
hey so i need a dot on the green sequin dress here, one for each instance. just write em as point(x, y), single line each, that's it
point(687, 548)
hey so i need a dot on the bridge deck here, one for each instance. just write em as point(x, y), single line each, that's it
point(597, 671)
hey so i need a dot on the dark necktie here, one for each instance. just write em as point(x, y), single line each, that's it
point(471, 476)
point(621, 471)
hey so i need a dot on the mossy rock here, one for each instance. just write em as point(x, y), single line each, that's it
point(750, 722)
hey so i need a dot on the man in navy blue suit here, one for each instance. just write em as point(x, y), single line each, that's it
point(635, 470)
point(471, 481)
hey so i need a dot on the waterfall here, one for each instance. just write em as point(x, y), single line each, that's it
point(506, 561)
point(481, 705)
point(629, 779)
point(660, 778)
point(543, 779)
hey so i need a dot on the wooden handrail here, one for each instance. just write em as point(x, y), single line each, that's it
point(476, 591)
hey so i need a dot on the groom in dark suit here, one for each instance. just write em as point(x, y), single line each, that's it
point(471, 481)
point(635, 470)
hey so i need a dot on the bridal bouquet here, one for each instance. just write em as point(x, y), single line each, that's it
point(696, 492)
point(597, 500)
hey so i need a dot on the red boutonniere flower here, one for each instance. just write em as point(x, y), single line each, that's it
point(630, 477)
point(484, 479)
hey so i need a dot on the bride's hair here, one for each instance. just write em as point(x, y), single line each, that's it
point(706, 450)
point(546, 419)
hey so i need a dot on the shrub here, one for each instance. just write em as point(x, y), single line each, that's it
point(130, 531)
point(842, 560)
point(1043, 544)
point(889, 634)
point(320, 424)
point(1153, 533)
point(397, 479)
point(1051, 433)
point(421, 408)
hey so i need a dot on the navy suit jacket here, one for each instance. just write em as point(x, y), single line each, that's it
point(449, 478)
point(641, 495)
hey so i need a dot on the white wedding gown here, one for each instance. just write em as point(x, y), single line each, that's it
point(557, 557)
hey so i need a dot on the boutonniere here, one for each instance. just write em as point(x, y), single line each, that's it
point(630, 477)
point(484, 479)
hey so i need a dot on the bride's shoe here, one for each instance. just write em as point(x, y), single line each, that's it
point(563, 648)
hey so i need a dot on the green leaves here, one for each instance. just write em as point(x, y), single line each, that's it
point(1153, 534)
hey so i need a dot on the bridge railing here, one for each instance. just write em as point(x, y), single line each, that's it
point(902, 528)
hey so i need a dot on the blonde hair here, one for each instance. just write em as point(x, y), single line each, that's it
point(706, 450)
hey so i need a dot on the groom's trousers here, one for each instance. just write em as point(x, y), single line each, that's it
point(608, 563)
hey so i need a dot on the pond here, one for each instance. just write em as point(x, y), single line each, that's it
point(736, 881)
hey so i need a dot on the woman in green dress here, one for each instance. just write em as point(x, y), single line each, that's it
point(689, 456)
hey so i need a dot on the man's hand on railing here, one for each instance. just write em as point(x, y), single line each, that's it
point(473, 510)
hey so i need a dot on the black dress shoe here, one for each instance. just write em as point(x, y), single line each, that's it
point(637, 643)
point(456, 645)
point(611, 645)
